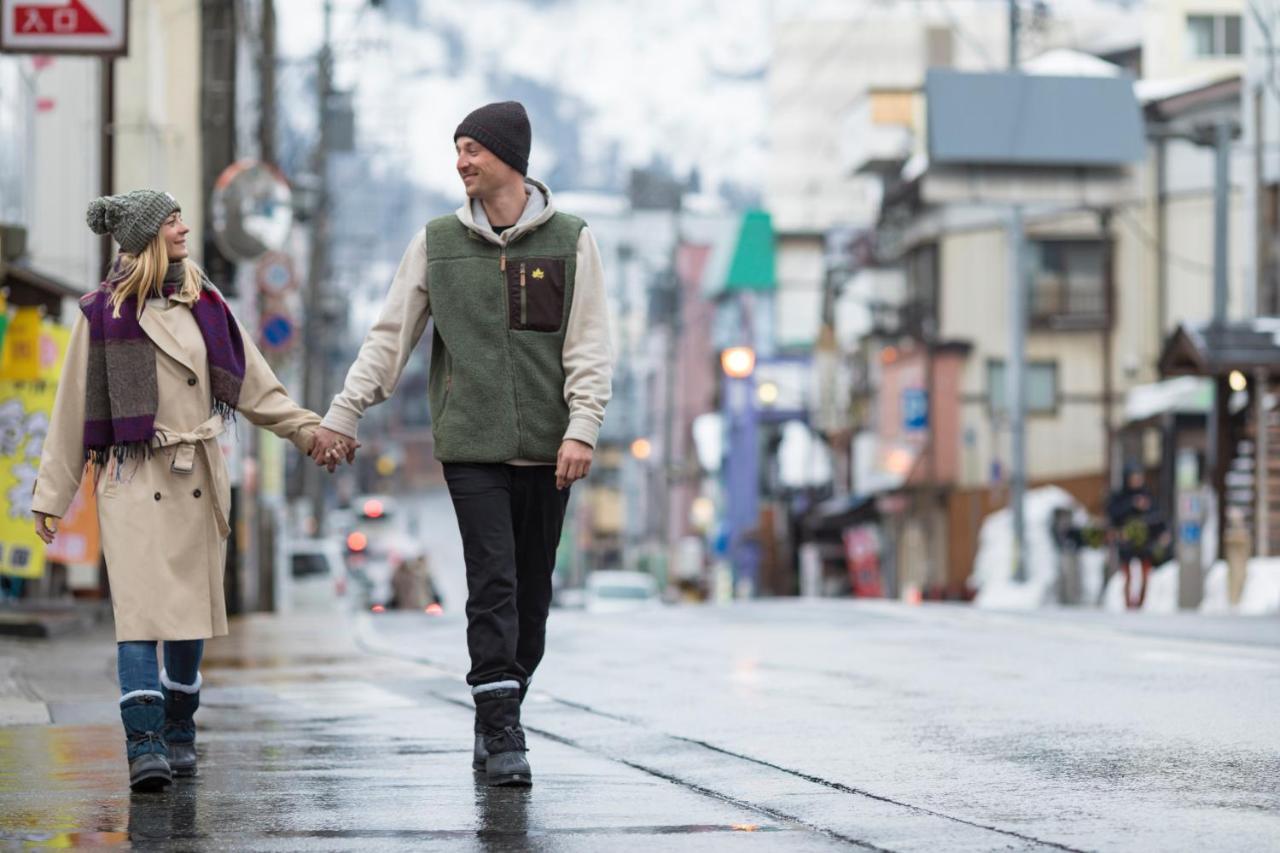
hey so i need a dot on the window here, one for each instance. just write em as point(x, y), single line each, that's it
point(309, 565)
point(1068, 288)
point(1042, 387)
point(919, 312)
point(1211, 36)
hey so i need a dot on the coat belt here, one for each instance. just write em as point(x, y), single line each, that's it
point(202, 439)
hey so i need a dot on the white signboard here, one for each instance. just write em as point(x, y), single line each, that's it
point(97, 27)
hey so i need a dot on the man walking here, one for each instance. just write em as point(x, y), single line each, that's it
point(520, 376)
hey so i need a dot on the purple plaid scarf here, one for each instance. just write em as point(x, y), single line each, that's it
point(120, 389)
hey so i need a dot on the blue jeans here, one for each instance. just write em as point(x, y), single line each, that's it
point(136, 663)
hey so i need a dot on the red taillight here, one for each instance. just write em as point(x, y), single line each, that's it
point(357, 541)
point(378, 608)
point(434, 609)
point(373, 508)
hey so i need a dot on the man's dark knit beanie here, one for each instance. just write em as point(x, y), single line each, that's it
point(503, 128)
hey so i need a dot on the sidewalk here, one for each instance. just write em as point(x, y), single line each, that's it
point(308, 743)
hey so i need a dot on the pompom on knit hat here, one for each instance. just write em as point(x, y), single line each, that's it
point(132, 218)
point(504, 129)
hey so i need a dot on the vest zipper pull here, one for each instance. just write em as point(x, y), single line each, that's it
point(502, 264)
point(524, 299)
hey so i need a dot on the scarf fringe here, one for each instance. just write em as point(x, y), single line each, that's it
point(100, 456)
point(226, 410)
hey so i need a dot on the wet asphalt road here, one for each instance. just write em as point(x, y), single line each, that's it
point(782, 725)
point(777, 726)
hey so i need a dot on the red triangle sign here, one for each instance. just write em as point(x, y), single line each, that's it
point(72, 19)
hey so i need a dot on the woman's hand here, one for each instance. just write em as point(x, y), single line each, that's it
point(44, 529)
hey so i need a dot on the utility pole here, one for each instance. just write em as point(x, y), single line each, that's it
point(315, 365)
point(107, 151)
point(673, 468)
point(270, 509)
point(1016, 367)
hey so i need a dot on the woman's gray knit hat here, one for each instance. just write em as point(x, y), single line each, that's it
point(132, 218)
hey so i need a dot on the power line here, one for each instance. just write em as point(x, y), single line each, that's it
point(960, 30)
point(1140, 228)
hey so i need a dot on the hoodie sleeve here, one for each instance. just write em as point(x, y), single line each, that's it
point(387, 347)
point(588, 354)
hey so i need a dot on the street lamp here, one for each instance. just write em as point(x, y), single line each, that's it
point(767, 393)
point(742, 466)
point(738, 362)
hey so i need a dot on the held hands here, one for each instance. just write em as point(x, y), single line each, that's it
point(46, 527)
point(329, 448)
point(573, 462)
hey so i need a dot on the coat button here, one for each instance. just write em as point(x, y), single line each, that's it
point(191, 381)
point(196, 493)
point(157, 496)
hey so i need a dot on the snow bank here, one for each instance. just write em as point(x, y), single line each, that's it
point(993, 567)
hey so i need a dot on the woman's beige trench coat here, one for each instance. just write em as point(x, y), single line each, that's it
point(164, 532)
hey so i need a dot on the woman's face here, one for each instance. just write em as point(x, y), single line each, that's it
point(174, 231)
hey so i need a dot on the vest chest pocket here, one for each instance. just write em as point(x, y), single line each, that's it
point(535, 293)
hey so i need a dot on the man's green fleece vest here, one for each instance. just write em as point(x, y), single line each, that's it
point(496, 386)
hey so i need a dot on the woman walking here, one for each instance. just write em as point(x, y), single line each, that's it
point(156, 367)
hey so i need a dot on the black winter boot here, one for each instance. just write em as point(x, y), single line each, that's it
point(498, 716)
point(180, 704)
point(142, 712)
point(480, 754)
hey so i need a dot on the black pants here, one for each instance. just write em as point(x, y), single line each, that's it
point(510, 518)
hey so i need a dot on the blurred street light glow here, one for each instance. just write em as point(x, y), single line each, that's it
point(1237, 381)
point(767, 393)
point(357, 541)
point(738, 362)
point(702, 513)
point(386, 465)
point(641, 449)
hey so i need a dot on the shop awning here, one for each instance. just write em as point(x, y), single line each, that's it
point(832, 516)
point(28, 286)
point(1182, 395)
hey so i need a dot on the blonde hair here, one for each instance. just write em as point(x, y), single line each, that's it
point(143, 276)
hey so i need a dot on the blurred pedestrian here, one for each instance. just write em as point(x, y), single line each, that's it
point(520, 376)
point(411, 586)
point(1136, 533)
point(156, 365)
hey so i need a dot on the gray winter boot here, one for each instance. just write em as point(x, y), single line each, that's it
point(180, 704)
point(480, 754)
point(498, 713)
point(142, 712)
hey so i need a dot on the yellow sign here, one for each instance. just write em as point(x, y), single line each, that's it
point(21, 355)
point(25, 407)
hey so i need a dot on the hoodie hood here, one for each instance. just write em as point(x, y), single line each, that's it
point(537, 209)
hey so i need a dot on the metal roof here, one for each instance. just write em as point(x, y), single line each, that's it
point(1209, 350)
point(1032, 120)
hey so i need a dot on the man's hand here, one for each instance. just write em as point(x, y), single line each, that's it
point(46, 527)
point(328, 448)
point(573, 462)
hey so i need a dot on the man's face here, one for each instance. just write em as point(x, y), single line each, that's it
point(482, 173)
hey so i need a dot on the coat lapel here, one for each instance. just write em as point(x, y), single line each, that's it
point(160, 335)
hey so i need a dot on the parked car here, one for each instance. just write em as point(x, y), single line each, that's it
point(317, 573)
point(615, 591)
